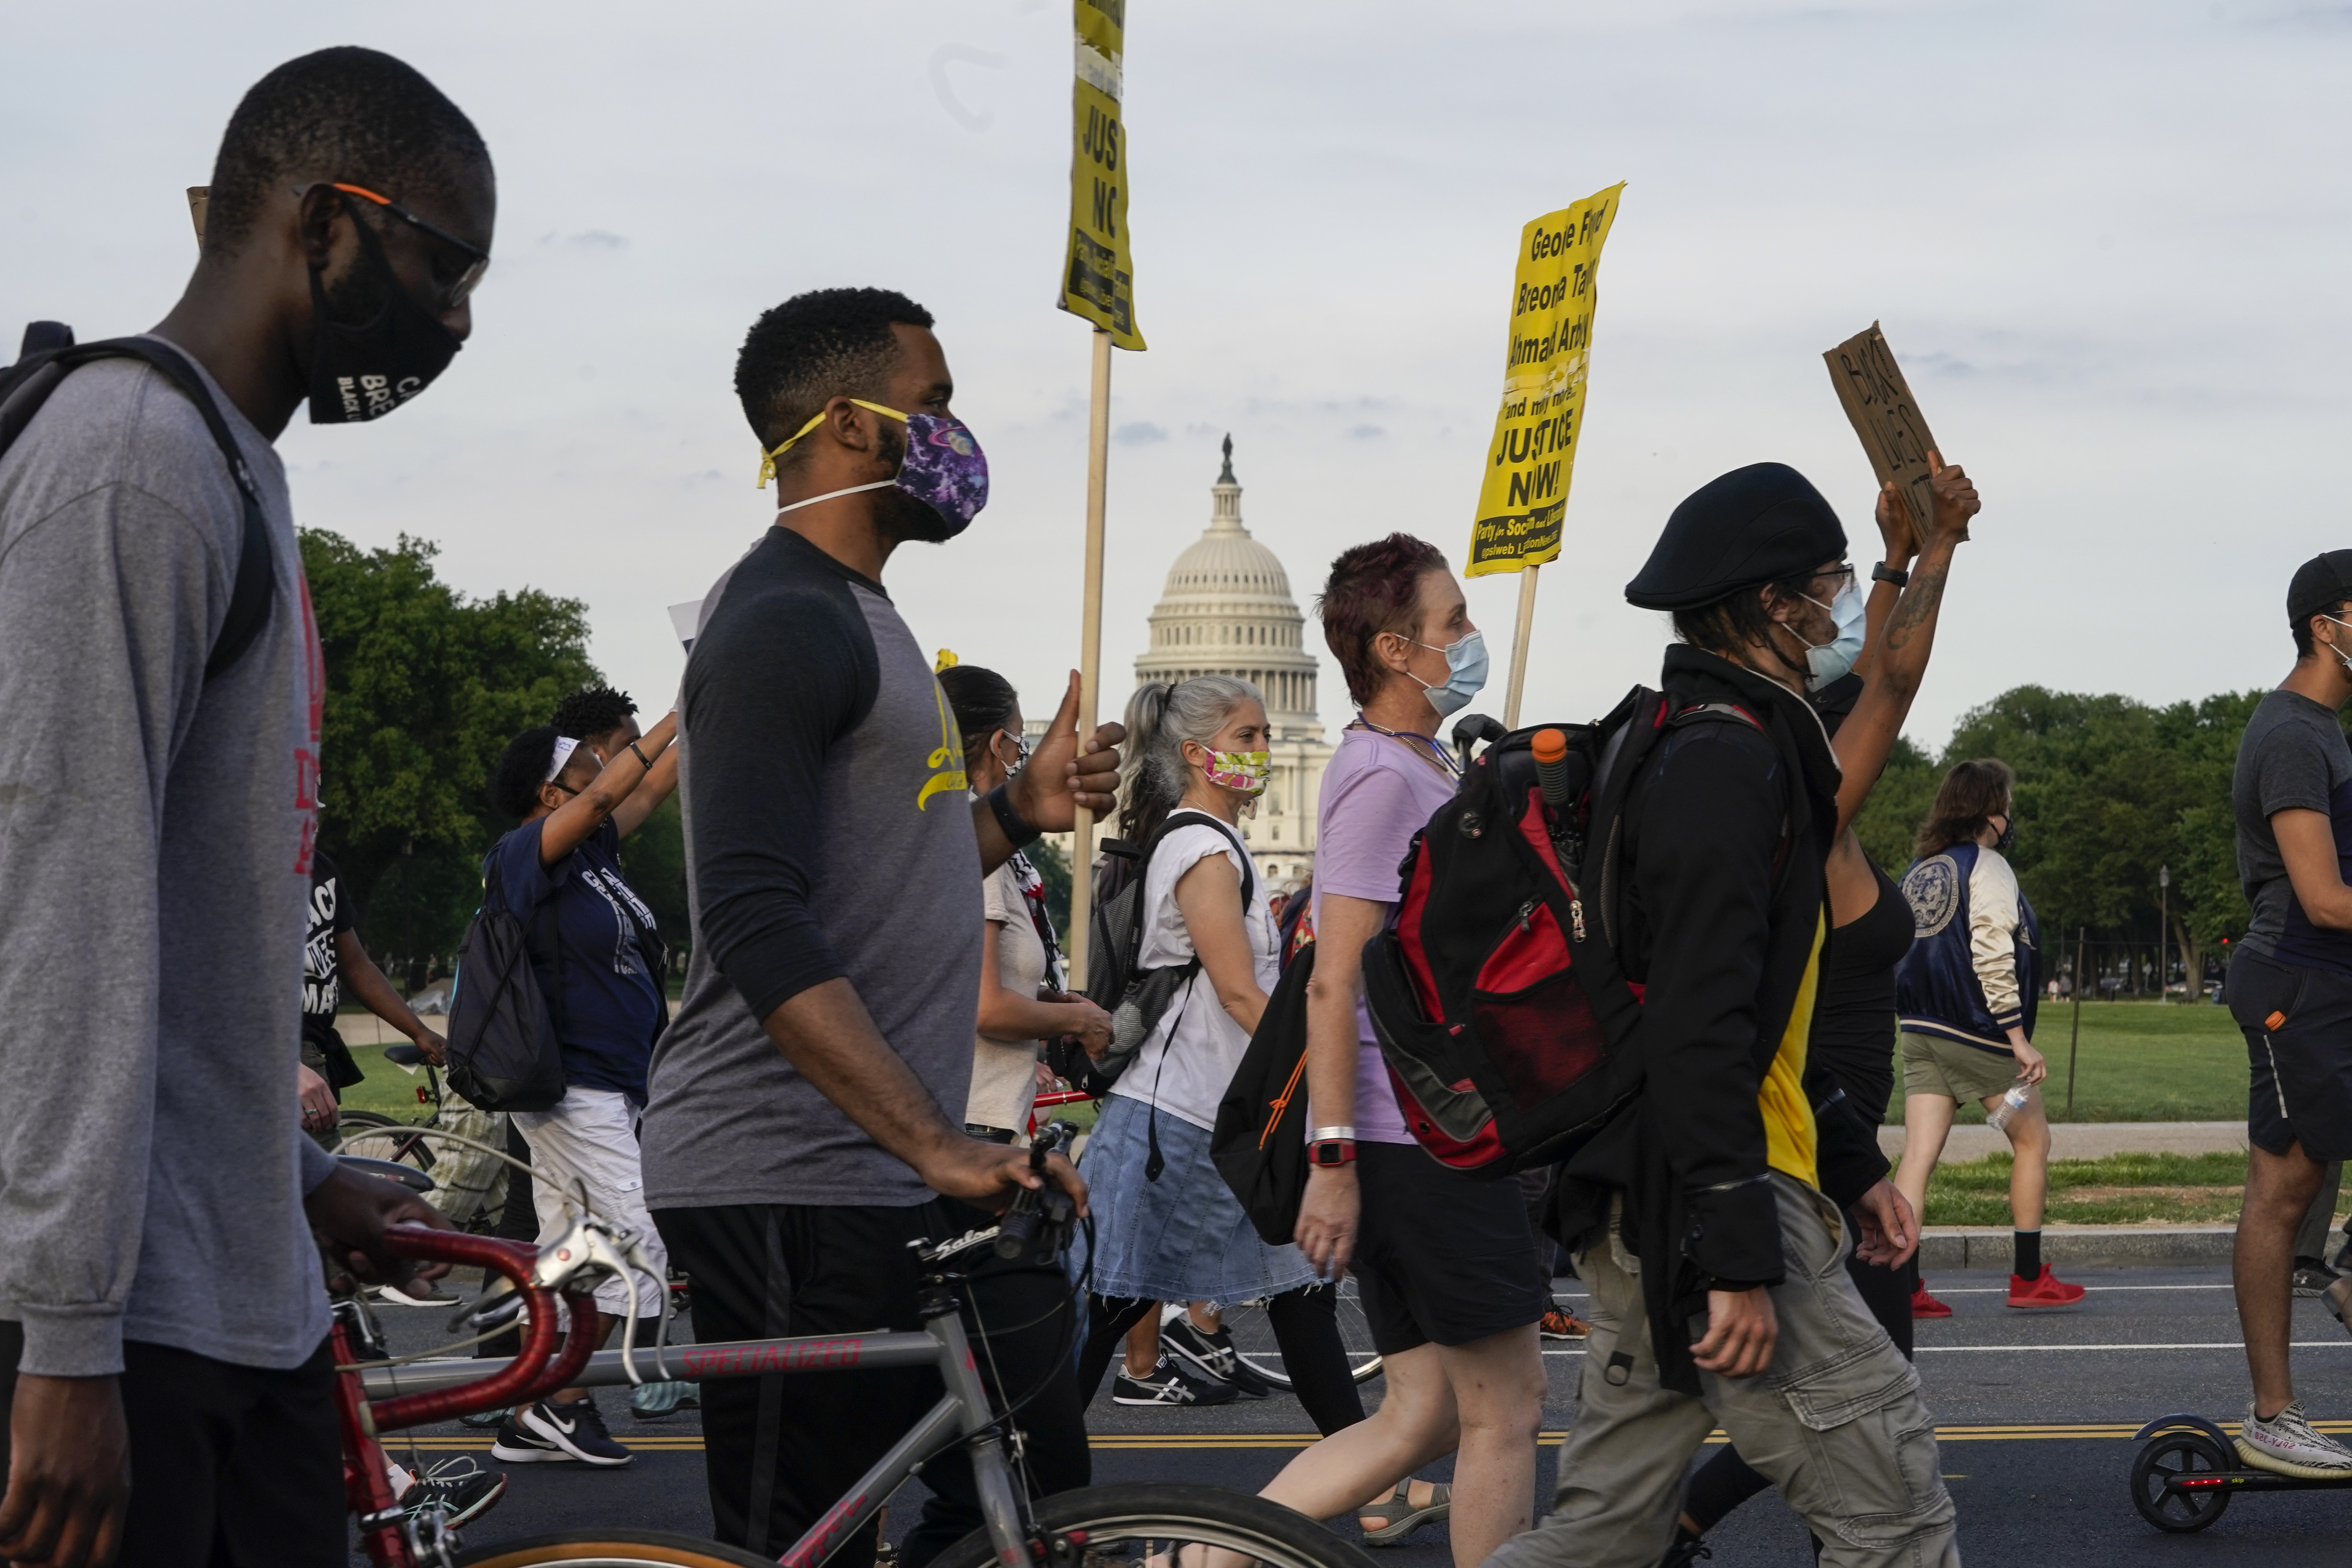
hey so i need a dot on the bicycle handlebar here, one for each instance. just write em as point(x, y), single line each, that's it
point(540, 1370)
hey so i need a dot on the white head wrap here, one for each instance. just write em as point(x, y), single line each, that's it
point(564, 746)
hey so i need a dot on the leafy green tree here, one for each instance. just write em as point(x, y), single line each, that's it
point(424, 688)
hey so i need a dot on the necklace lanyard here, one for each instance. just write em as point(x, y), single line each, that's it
point(1434, 751)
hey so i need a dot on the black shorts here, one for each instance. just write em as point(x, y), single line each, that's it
point(1440, 1256)
point(231, 1466)
point(2298, 1028)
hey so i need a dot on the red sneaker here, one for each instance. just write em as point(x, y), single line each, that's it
point(1926, 1306)
point(2045, 1292)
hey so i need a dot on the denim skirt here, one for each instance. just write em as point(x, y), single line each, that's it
point(1182, 1237)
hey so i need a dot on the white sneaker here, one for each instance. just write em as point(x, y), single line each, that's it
point(2288, 1445)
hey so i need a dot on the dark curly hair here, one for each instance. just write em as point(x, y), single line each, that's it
point(1373, 588)
point(522, 768)
point(592, 710)
point(815, 347)
point(351, 114)
point(1743, 619)
point(983, 701)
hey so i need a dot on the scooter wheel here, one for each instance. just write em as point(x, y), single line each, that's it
point(2158, 1477)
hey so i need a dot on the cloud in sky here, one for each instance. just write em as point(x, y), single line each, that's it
point(2106, 237)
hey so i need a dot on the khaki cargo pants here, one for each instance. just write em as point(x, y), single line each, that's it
point(1835, 1421)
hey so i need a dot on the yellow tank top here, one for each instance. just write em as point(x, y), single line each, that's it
point(1788, 1114)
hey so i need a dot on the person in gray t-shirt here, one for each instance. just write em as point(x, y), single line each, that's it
point(163, 1329)
point(2290, 991)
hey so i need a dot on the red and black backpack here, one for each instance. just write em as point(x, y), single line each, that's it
point(1506, 1020)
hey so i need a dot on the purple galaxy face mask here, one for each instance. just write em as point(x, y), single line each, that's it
point(944, 467)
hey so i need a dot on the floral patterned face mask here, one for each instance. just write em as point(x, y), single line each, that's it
point(1245, 772)
point(944, 468)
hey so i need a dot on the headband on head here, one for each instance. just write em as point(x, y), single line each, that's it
point(564, 746)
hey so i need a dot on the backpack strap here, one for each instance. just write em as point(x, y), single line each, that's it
point(26, 386)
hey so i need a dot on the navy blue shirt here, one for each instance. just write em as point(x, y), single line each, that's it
point(606, 1001)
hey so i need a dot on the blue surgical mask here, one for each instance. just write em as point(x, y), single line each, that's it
point(1829, 660)
point(1465, 662)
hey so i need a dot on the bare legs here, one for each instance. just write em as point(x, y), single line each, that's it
point(1143, 1344)
point(2029, 1177)
point(2279, 1188)
point(1927, 1122)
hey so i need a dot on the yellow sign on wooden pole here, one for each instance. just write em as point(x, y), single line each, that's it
point(1098, 272)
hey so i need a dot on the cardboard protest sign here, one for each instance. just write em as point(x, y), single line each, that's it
point(1098, 272)
point(1523, 501)
point(1879, 401)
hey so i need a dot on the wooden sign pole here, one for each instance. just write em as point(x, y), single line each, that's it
point(1082, 846)
point(1520, 635)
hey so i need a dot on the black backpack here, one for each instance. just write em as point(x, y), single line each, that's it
point(1135, 997)
point(1503, 1013)
point(503, 1053)
point(49, 355)
point(1260, 1141)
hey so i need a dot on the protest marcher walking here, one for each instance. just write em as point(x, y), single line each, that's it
point(165, 1331)
point(598, 958)
point(1447, 1265)
point(1968, 993)
point(1022, 1002)
point(1870, 921)
point(807, 1117)
point(1707, 1223)
point(1167, 1227)
point(2290, 990)
point(333, 955)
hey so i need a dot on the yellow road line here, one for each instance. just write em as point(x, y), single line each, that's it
point(1166, 1441)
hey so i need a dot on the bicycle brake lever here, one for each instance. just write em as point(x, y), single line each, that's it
point(498, 1307)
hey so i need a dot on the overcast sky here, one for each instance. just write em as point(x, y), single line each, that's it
point(2107, 242)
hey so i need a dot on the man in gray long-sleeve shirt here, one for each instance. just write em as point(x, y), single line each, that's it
point(161, 1321)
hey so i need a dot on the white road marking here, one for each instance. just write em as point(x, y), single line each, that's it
point(2180, 1345)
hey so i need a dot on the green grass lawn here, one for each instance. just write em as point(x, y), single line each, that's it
point(2120, 1189)
point(2139, 1061)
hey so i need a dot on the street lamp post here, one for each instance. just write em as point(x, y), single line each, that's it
point(2163, 926)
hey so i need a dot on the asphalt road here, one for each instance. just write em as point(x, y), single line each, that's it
point(2036, 1414)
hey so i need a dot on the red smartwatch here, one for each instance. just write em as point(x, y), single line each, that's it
point(1331, 1146)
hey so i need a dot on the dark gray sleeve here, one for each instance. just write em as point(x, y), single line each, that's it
point(785, 667)
point(2291, 771)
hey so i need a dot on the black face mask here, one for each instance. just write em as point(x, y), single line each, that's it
point(363, 372)
point(2007, 839)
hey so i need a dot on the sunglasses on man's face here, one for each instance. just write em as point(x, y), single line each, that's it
point(452, 294)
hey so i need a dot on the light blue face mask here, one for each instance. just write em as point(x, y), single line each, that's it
point(1831, 659)
point(1466, 662)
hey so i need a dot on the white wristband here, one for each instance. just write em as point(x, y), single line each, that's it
point(1326, 1134)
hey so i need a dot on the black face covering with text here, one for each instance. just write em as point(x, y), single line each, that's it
point(362, 370)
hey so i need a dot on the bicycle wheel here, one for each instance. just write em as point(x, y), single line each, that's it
point(1148, 1523)
point(612, 1549)
point(1253, 1337)
point(376, 1136)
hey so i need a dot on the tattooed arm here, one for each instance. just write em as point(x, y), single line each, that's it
point(1897, 650)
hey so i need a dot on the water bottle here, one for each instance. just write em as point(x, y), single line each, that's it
point(2001, 1115)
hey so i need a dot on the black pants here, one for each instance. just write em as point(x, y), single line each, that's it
point(231, 1466)
point(780, 1450)
point(1727, 1481)
point(517, 1222)
point(1306, 1324)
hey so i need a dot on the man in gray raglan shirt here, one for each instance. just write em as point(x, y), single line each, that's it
point(163, 1322)
point(806, 1114)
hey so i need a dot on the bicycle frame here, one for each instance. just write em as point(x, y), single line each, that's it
point(961, 1416)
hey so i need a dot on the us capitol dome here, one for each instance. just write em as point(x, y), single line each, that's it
point(1227, 610)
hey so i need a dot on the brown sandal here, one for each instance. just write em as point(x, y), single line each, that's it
point(1399, 1518)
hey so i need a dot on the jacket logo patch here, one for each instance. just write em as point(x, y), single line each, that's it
point(1932, 889)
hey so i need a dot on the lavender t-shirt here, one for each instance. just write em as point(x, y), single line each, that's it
point(1377, 794)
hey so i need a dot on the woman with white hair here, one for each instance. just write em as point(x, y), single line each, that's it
point(1167, 1227)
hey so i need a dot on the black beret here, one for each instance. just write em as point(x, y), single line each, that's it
point(2320, 583)
point(1748, 527)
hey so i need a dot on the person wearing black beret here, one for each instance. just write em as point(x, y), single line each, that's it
point(1711, 1225)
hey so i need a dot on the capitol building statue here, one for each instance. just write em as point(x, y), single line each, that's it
point(1227, 610)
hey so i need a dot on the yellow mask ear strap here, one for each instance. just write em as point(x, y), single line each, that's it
point(768, 458)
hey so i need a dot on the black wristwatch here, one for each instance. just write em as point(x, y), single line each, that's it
point(1016, 827)
point(1882, 573)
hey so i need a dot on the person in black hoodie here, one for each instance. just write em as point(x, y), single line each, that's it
point(1710, 1223)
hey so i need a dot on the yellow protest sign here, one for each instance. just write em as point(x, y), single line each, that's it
point(1524, 498)
point(1099, 274)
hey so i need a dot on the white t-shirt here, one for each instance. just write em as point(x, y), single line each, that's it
point(1004, 1072)
point(1186, 1065)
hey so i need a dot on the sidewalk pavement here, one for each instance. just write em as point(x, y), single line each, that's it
point(2089, 1139)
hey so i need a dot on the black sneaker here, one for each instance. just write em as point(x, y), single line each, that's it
point(1212, 1356)
point(563, 1432)
point(461, 1489)
point(1170, 1385)
point(2311, 1278)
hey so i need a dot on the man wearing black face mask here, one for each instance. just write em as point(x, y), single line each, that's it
point(161, 1325)
point(798, 1135)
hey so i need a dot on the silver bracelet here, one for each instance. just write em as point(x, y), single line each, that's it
point(1325, 1134)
